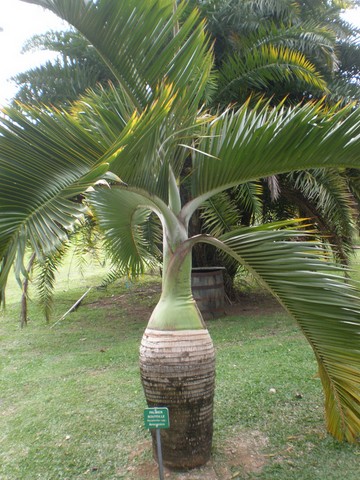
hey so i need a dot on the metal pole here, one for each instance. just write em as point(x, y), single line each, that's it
point(159, 454)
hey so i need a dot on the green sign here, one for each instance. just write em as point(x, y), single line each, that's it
point(156, 417)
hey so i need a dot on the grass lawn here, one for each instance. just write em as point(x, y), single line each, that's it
point(71, 402)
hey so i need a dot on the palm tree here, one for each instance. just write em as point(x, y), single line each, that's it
point(326, 197)
point(59, 82)
point(264, 48)
point(278, 48)
point(136, 138)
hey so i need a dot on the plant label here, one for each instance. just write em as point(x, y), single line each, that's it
point(156, 417)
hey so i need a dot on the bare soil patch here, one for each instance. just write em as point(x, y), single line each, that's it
point(241, 455)
point(257, 303)
point(138, 302)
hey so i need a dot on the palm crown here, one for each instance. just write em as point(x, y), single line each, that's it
point(147, 135)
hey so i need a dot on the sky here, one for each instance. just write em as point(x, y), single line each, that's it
point(19, 21)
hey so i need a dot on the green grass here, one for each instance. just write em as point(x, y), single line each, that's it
point(71, 401)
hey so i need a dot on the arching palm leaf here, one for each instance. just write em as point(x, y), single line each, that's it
point(225, 211)
point(45, 274)
point(325, 304)
point(246, 145)
point(264, 69)
point(140, 57)
point(127, 238)
point(333, 206)
point(220, 214)
point(314, 41)
point(44, 165)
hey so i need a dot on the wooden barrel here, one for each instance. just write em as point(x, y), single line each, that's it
point(208, 290)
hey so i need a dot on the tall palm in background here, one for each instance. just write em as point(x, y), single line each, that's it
point(282, 48)
point(298, 50)
point(59, 82)
point(262, 48)
point(271, 48)
point(138, 138)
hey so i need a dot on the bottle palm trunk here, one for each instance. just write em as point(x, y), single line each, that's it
point(178, 371)
point(177, 365)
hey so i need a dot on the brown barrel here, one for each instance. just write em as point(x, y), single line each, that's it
point(208, 290)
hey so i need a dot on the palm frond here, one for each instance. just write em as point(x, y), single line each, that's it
point(248, 16)
point(54, 84)
point(140, 156)
point(342, 91)
point(328, 191)
point(286, 265)
point(353, 179)
point(45, 275)
point(115, 273)
point(130, 236)
point(227, 210)
point(56, 155)
point(248, 196)
point(220, 214)
point(311, 39)
point(46, 161)
point(143, 44)
point(136, 145)
point(87, 241)
point(263, 69)
point(249, 144)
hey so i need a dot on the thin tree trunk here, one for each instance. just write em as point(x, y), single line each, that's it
point(24, 298)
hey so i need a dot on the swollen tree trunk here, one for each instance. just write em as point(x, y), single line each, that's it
point(178, 372)
point(177, 365)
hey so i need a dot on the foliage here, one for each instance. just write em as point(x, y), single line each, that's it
point(272, 48)
point(76, 69)
point(143, 130)
point(83, 373)
point(297, 50)
point(282, 48)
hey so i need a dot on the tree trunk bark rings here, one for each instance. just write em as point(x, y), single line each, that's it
point(178, 372)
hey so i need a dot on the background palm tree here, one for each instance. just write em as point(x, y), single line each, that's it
point(138, 136)
point(283, 48)
point(59, 82)
point(272, 48)
point(296, 50)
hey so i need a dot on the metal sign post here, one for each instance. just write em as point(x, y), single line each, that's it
point(157, 418)
point(159, 452)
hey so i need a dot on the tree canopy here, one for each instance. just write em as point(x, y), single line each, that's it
point(119, 154)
